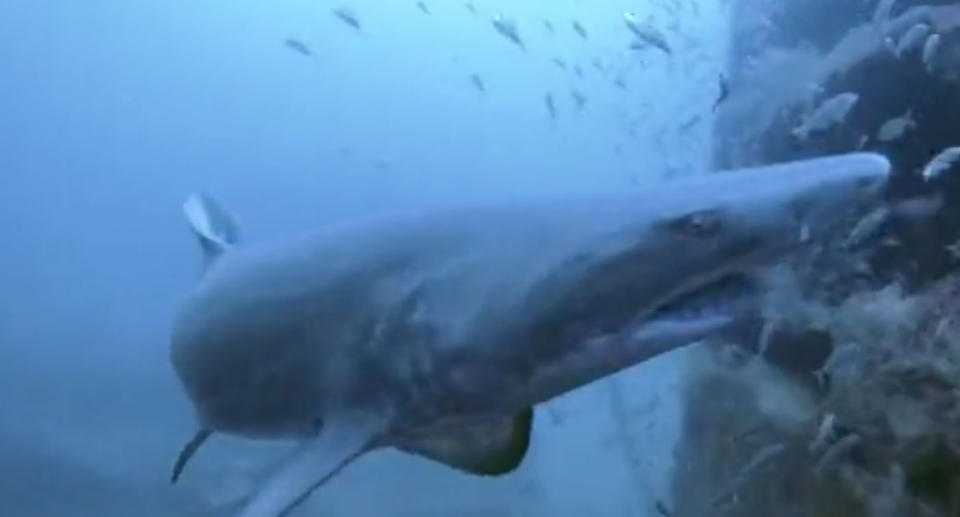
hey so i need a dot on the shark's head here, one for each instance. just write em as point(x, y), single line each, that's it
point(672, 266)
point(732, 221)
point(770, 208)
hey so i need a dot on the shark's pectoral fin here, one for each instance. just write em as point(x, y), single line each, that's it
point(314, 463)
point(493, 447)
point(188, 451)
point(212, 225)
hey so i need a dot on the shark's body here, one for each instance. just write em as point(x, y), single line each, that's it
point(436, 333)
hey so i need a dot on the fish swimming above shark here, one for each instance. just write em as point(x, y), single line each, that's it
point(437, 332)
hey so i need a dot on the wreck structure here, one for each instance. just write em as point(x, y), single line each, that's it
point(850, 404)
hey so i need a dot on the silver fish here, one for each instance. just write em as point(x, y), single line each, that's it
point(551, 106)
point(478, 82)
point(298, 46)
point(346, 16)
point(913, 38)
point(930, 49)
point(579, 29)
point(896, 127)
point(646, 34)
point(579, 99)
point(831, 112)
point(508, 29)
point(868, 229)
point(943, 161)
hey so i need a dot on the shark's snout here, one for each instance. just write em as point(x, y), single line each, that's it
point(828, 189)
point(813, 195)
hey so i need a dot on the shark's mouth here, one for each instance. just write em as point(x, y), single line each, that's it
point(725, 295)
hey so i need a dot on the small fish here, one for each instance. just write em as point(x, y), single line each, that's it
point(620, 83)
point(579, 99)
point(599, 66)
point(953, 250)
point(867, 229)
point(423, 7)
point(825, 434)
point(724, 93)
point(549, 26)
point(508, 29)
point(863, 141)
point(830, 113)
point(940, 163)
point(896, 127)
point(930, 48)
point(560, 63)
point(298, 46)
point(471, 8)
point(577, 70)
point(478, 82)
point(847, 362)
point(647, 35)
point(912, 38)
point(346, 16)
point(579, 29)
point(551, 106)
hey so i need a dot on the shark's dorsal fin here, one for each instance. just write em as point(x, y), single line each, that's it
point(214, 227)
point(343, 439)
point(493, 447)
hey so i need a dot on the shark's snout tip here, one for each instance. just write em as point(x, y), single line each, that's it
point(873, 164)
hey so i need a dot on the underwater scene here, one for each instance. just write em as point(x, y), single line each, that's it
point(400, 258)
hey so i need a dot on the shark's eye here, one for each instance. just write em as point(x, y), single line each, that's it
point(703, 223)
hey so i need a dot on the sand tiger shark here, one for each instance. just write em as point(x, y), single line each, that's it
point(437, 332)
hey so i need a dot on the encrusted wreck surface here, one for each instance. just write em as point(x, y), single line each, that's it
point(853, 408)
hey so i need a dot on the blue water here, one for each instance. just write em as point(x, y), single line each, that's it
point(113, 111)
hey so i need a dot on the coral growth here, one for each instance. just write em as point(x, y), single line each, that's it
point(880, 438)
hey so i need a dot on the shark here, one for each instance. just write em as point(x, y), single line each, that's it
point(436, 332)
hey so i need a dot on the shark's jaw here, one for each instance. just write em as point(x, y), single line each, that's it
point(723, 305)
point(720, 295)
